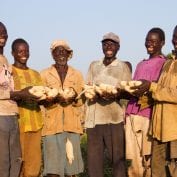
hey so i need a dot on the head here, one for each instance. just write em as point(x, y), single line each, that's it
point(20, 52)
point(110, 45)
point(174, 39)
point(3, 35)
point(61, 52)
point(154, 42)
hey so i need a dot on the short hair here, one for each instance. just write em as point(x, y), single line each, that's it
point(2, 24)
point(159, 31)
point(175, 29)
point(18, 41)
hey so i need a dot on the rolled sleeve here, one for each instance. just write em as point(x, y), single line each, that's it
point(4, 94)
point(153, 87)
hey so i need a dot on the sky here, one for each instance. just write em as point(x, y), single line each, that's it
point(82, 23)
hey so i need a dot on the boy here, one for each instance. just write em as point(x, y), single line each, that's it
point(138, 142)
point(30, 117)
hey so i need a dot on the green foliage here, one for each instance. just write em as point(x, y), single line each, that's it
point(169, 56)
point(84, 155)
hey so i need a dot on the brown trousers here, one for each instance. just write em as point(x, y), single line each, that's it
point(111, 137)
point(164, 156)
point(31, 153)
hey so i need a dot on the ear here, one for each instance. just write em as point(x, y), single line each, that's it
point(162, 43)
point(118, 47)
point(12, 53)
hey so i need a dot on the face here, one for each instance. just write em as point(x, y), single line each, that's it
point(21, 53)
point(3, 36)
point(174, 40)
point(110, 48)
point(60, 55)
point(153, 44)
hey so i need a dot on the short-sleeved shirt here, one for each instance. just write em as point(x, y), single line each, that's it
point(30, 113)
point(148, 70)
point(105, 112)
point(7, 106)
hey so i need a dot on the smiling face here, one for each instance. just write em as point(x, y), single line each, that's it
point(3, 35)
point(153, 44)
point(110, 48)
point(21, 55)
point(174, 39)
point(60, 55)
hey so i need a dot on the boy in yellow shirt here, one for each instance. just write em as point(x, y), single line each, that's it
point(30, 121)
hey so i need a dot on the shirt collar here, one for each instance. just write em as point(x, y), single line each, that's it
point(114, 63)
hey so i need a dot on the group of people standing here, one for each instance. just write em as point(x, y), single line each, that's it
point(138, 126)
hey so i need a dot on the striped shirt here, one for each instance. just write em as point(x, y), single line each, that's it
point(30, 113)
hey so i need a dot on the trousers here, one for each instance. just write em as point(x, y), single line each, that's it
point(10, 153)
point(110, 137)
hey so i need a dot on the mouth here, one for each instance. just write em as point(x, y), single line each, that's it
point(109, 52)
point(2, 41)
point(23, 58)
point(150, 49)
point(62, 58)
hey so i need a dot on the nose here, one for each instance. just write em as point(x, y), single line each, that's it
point(148, 43)
point(3, 36)
point(25, 53)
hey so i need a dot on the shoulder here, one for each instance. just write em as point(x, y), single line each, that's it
point(74, 70)
point(162, 58)
point(129, 65)
point(126, 64)
point(34, 71)
point(3, 60)
point(142, 62)
point(46, 70)
point(95, 63)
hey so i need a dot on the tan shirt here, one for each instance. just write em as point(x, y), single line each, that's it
point(7, 106)
point(58, 118)
point(164, 120)
point(104, 112)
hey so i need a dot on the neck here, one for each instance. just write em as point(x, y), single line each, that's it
point(155, 55)
point(20, 66)
point(108, 61)
point(1, 50)
point(61, 66)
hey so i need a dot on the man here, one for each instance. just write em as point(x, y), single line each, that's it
point(30, 116)
point(62, 122)
point(104, 115)
point(10, 153)
point(164, 121)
